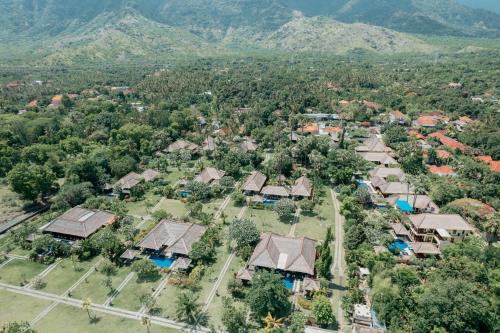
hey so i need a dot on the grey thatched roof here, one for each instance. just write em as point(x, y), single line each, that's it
point(255, 182)
point(373, 144)
point(172, 236)
point(248, 145)
point(382, 158)
point(440, 221)
point(382, 172)
point(79, 222)
point(132, 179)
point(245, 274)
point(400, 230)
point(129, 254)
point(182, 144)
point(302, 188)
point(209, 144)
point(279, 191)
point(424, 248)
point(310, 284)
point(285, 253)
point(209, 175)
point(421, 202)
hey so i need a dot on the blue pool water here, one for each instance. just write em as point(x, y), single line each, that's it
point(404, 206)
point(268, 202)
point(398, 244)
point(288, 281)
point(161, 261)
point(362, 184)
point(185, 194)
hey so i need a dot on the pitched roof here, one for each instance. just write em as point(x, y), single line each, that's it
point(416, 134)
point(495, 166)
point(309, 128)
point(396, 188)
point(421, 201)
point(79, 222)
point(309, 284)
point(209, 144)
point(439, 221)
point(182, 144)
point(400, 229)
point(129, 254)
point(488, 159)
point(285, 253)
point(427, 121)
point(279, 191)
point(149, 175)
point(466, 119)
point(209, 175)
point(255, 182)
point(442, 154)
point(248, 145)
point(373, 144)
point(444, 170)
point(424, 248)
point(303, 187)
point(172, 236)
point(383, 172)
point(382, 158)
point(132, 179)
point(372, 105)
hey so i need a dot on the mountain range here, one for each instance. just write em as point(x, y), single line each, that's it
point(75, 31)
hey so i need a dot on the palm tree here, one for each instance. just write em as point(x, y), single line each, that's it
point(86, 306)
point(146, 322)
point(188, 308)
point(272, 323)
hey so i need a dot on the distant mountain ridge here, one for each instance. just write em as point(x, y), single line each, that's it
point(72, 31)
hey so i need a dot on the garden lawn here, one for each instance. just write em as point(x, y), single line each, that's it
point(174, 174)
point(64, 275)
point(16, 307)
point(175, 207)
point(129, 297)
point(140, 207)
point(232, 211)
point(20, 271)
point(94, 287)
point(213, 206)
point(314, 224)
point(65, 318)
point(210, 277)
point(166, 301)
point(215, 309)
point(267, 221)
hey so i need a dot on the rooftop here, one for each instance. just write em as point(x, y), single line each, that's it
point(79, 222)
point(439, 221)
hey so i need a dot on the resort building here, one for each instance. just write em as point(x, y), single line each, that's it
point(383, 159)
point(440, 229)
point(275, 192)
point(254, 183)
point(383, 173)
point(390, 188)
point(373, 144)
point(172, 238)
point(209, 144)
point(183, 145)
point(285, 254)
point(302, 189)
point(413, 203)
point(78, 223)
point(209, 176)
point(248, 144)
point(128, 182)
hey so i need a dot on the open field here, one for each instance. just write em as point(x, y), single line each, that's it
point(314, 224)
point(129, 297)
point(18, 271)
point(66, 318)
point(17, 307)
point(65, 275)
point(175, 207)
point(267, 221)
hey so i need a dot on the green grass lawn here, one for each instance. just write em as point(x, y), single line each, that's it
point(213, 206)
point(174, 174)
point(175, 207)
point(17, 307)
point(267, 221)
point(212, 272)
point(232, 211)
point(314, 224)
point(18, 271)
point(94, 289)
point(64, 275)
point(140, 208)
point(18, 251)
point(65, 318)
point(166, 301)
point(129, 297)
point(215, 309)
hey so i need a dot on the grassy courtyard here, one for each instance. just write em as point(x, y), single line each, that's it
point(129, 297)
point(20, 271)
point(267, 221)
point(314, 224)
point(175, 207)
point(12, 304)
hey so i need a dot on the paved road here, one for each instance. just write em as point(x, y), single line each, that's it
point(338, 259)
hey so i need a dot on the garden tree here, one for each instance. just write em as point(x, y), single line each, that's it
point(432, 157)
point(239, 198)
point(281, 162)
point(86, 304)
point(394, 134)
point(133, 138)
point(285, 208)
point(267, 294)
point(71, 195)
point(343, 164)
point(146, 322)
point(31, 181)
point(307, 205)
point(243, 233)
point(148, 302)
point(121, 166)
point(8, 158)
point(72, 145)
point(113, 205)
point(297, 322)
point(233, 318)
point(354, 236)
point(187, 307)
point(319, 165)
point(82, 170)
point(230, 160)
point(202, 252)
point(199, 190)
point(322, 310)
point(47, 249)
point(227, 183)
point(108, 283)
point(492, 226)
point(444, 191)
point(363, 195)
point(145, 269)
point(271, 323)
point(351, 297)
point(110, 244)
point(410, 158)
point(16, 327)
point(455, 305)
point(324, 261)
point(194, 209)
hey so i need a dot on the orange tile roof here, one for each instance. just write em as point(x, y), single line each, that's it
point(495, 166)
point(466, 119)
point(427, 121)
point(33, 104)
point(372, 105)
point(441, 170)
point(398, 114)
point(438, 135)
point(443, 154)
point(487, 159)
point(416, 134)
point(452, 143)
point(309, 128)
point(332, 129)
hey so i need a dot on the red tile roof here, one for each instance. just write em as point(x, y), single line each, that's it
point(466, 119)
point(428, 121)
point(398, 114)
point(487, 159)
point(495, 166)
point(332, 129)
point(443, 154)
point(452, 143)
point(416, 134)
point(442, 170)
point(309, 128)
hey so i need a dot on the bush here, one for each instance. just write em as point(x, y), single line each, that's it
point(307, 205)
point(239, 199)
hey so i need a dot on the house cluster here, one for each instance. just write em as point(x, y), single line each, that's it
point(424, 230)
point(319, 127)
point(127, 183)
point(255, 186)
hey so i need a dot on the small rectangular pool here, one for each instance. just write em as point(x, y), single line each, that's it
point(400, 245)
point(288, 282)
point(162, 261)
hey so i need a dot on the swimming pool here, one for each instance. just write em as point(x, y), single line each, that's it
point(268, 202)
point(399, 245)
point(288, 282)
point(162, 261)
point(184, 194)
point(404, 206)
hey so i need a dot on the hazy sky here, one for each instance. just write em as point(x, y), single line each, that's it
point(493, 5)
